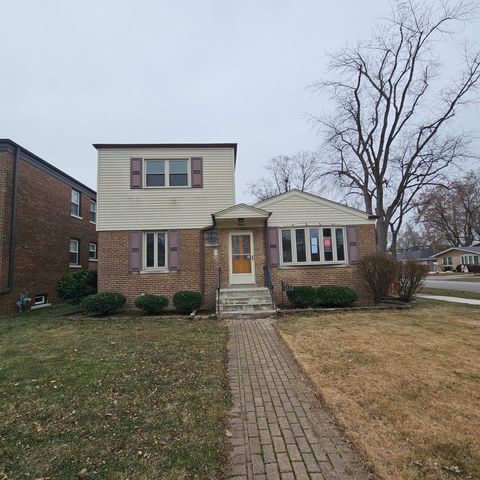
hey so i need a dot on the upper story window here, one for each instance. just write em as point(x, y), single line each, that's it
point(93, 211)
point(74, 252)
point(167, 173)
point(313, 245)
point(75, 203)
point(155, 248)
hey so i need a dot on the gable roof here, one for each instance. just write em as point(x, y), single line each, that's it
point(315, 198)
point(475, 249)
point(241, 210)
point(420, 254)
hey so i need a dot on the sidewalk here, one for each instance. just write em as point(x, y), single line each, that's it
point(443, 298)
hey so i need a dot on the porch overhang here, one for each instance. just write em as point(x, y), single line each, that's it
point(240, 215)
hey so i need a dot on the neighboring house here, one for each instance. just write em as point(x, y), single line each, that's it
point(423, 256)
point(167, 221)
point(47, 227)
point(451, 257)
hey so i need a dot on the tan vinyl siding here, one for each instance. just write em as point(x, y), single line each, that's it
point(121, 208)
point(298, 209)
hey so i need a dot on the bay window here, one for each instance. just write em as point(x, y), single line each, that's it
point(312, 245)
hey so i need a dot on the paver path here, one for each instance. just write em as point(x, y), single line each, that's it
point(278, 429)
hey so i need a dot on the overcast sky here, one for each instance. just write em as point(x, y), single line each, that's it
point(80, 72)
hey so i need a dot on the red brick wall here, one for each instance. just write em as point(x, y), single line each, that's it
point(114, 275)
point(44, 229)
point(329, 275)
point(6, 185)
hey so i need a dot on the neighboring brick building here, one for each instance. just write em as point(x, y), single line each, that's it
point(47, 227)
point(167, 221)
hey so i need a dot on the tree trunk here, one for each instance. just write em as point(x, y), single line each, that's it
point(382, 235)
point(394, 244)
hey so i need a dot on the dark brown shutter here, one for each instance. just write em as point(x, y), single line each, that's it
point(273, 256)
point(353, 244)
point(197, 172)
point(135, 173)
point(134, 251)
point(174, 249)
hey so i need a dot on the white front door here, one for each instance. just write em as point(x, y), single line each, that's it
point(240, 258)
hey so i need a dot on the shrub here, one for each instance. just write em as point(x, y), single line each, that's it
point(474, 268)
point(447, 269)
point(73, 287)
point(187, 301)
point(151, 303)
point(302, 297)
point(410, 279)
point(103, 303)
point(336, 296)
point(379, 271)
point(458, 268)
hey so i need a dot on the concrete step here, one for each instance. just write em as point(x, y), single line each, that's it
point(246, 308)
point(245, 300)
point(239, 315)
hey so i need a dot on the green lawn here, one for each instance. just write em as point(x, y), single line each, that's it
point(116, 398)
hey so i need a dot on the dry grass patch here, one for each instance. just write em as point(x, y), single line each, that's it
point(405, 385)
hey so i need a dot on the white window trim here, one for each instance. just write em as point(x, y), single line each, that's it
point(155, 253)
point(90, 211)
point(43, 302)
point(77, 204)
point(96, 252)
point(74, 265)
point(322, 260)
point(167, 173)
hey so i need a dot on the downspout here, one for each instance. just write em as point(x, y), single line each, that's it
point(13, 225)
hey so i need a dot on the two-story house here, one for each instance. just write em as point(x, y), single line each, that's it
point(47, 227)
point(167, 221)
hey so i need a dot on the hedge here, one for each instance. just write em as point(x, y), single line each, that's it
point(104, 303)
point(187, 301)
point(151, 303)
point(74, 287)
point(336, 296)
point(302, 296)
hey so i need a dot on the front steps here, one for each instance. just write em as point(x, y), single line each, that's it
point(244, 301)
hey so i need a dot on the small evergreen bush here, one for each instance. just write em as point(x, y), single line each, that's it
point(302, 296)
point(336, 296)
point(151, 303)
point(73, 287)
point(187, 301)
point(411, 276)
point(104, 303)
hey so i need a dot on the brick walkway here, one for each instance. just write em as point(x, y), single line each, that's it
point(278, 429)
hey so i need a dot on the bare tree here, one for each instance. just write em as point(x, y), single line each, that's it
point(411, 238)
point(389, 135)
point(451, 215)
point(284, 172)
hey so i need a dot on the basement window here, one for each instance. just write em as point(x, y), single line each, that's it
point(40, 299)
